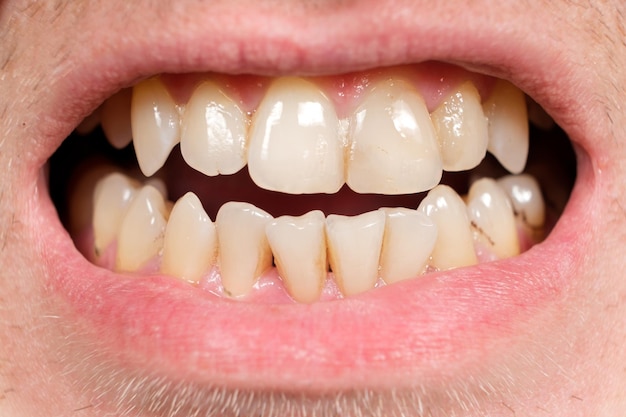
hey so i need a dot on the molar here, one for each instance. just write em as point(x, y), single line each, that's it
point(155, 124)
point(115, 115)
point(354, 246)
point(214, 132)
point(299, 248)
point(294, 146)
point(393, 146)
point(462, 129)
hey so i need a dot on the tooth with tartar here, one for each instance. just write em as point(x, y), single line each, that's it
point(155, 124)
point(214, 131)
point(394, 148)
point(111, 198)
point(409, 240)
point(294, 145)
point(142, 230)
point(492, 218)
point(243, 251)
point(525, 195)
point(454, 246)
point(190, 242)
point(508, 126)
point(299, 248)
point(354, 245)
point(462, 129)
point(115, 116)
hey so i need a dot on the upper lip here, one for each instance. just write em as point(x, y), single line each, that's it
point(229, 343)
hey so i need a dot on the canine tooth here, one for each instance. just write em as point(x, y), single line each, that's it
point(155, 125)
point(214, 129)
point(190, 242)
point(115, 116)
point(409, 240)
point(394, 148)
point(299, 248)
point(354, 246)
point(454, 246)
point(294, 145)
point(244, 253)
point(111, 198)
point(508, 126)
point(142, 230)
point(525, 196)
point(492, 217)
point(462, 129)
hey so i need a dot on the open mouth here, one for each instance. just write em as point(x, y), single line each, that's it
point(316, 188)
point(308, 224)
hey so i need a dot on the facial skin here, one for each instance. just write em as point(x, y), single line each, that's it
point(560, 354)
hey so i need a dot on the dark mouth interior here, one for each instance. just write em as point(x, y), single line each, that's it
point(551, 161)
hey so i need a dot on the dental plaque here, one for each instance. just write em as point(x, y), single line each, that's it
point(305, 189)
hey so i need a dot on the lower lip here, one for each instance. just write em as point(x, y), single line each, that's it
point(426, 327)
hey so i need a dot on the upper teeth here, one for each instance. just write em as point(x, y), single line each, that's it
point(296, 142)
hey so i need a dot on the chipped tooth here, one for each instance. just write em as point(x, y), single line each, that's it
point(525, 196)
point(116, 119)
point(155, 125)
point(454, 246)
point(354, 246)
point(409, 240)
point(214, 131)
point(462, 129)
point(294, 146)
point(492, 218)
point(142, 230)
point(111, 198)
point(394, 148)
point(243, 251)
point(299, 248)
point(190, 242)
point(508, 126)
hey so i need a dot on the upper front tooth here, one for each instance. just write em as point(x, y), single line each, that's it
point(508, 126)
point(354, 245)
point(455, 246)
point(115, 116)
point(155, 124)
point(409, 240)
point(190, 242)
point(492, 218)
point(462, 129)
point(111, 198)
point(393, 147)
point(525, 195)
point(294, 141)
point(299, 248)
point(214, 129)
point(244, 253)
point(142, 230)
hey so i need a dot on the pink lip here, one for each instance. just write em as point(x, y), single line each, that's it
point(423, 329)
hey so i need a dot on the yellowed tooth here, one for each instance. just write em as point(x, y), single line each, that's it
point(214, 132)
point(142, 230)
point(244, 253)
point(525, 195)
point(461, 128)
point(492, 218)
point(354, 245)
point(111, 198)
point(299, 248)
point(454, 246)
point(294, 146)
point(508, 126)
point(190, 243)
point(115, 116)
point(393, 147)
point(409, 240)
point(155, 124)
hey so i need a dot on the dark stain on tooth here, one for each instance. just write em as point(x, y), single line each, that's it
point(482, 233)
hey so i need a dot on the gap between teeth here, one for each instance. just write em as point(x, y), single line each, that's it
point(386, 245)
